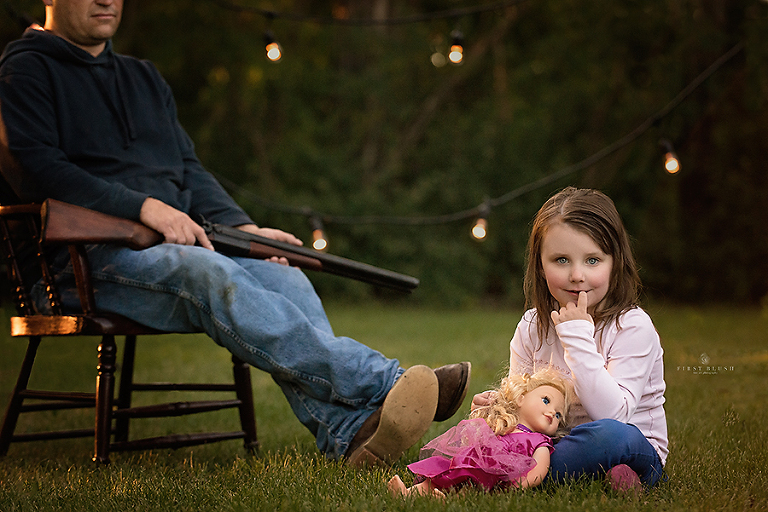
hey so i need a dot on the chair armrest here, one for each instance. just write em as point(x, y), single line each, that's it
point(20, 209)
point(64, 223)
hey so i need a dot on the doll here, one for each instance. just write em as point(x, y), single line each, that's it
point(506, 443)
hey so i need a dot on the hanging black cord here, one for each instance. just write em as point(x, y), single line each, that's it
point(513, 194)
point(362, 22)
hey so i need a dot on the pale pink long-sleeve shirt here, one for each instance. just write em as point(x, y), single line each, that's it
point(617, 373)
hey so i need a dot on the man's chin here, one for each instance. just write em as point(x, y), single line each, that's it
point(104, 30)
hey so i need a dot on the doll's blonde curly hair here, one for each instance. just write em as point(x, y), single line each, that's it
point(502, 413)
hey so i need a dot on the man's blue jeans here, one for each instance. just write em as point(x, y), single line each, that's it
point(267, 314)
point(593, 448)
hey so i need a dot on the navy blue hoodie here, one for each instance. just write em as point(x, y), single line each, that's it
point(100, 132)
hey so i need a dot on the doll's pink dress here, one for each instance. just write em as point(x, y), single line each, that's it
point(470, 451)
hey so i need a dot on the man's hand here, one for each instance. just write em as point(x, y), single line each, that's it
point(176, 226)
point(274, 234)
point(573, 311)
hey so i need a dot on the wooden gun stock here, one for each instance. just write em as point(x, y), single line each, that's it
point(64, 223)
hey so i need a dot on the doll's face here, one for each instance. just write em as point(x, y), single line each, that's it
point(541, 410)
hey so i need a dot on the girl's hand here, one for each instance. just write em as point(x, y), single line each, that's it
point(483, 399)
point(573, 311)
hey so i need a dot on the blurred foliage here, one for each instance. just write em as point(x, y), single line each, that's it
point(356, 121)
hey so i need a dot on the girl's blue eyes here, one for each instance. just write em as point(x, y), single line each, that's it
point(590, 261)
point(558, 416)
point(545, 400)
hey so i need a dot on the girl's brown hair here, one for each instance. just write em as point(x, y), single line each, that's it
point(594, 214)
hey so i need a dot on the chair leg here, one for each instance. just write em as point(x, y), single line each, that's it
point(14, 406)
point(122, 423)
point(105, 388)
point(244, 391)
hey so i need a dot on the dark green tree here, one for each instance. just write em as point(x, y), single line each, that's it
point(356, 122)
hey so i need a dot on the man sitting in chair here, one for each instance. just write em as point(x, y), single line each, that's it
point(98, 129)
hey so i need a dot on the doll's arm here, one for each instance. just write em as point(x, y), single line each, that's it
point(536, 475)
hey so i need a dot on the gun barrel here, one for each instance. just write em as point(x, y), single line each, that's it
point(242, 241)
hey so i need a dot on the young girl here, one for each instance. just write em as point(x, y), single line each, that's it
point(507, 442)
point(583, 286)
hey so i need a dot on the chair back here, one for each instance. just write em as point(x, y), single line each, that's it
point(22, 253)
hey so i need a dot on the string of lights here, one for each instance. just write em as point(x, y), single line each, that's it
point(341, 17)
point(482, 211)
point(274, 50)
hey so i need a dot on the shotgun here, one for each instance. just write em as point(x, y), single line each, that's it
point(232, 241)
point(64, 223)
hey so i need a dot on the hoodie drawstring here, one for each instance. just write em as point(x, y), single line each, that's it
point(114, 97)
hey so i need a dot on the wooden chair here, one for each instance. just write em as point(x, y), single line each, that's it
point(24, 247)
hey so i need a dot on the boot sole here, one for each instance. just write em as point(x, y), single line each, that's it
point(406, 415)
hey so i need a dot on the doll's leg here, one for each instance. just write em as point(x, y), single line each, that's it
point(425, 487)
point(397, 488)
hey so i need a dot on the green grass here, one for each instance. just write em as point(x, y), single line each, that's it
point(716, 414)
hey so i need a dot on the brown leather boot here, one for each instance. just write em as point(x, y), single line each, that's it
point(453, 380)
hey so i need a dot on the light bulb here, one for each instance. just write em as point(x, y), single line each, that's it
point(273, 52)
point(480, 229)
point(671, 163)
point(319, 243)
point(438, 60)
point(272, 47)
point(456, 55)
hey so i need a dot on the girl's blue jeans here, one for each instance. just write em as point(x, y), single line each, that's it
point(593, 448)
point(267, 314)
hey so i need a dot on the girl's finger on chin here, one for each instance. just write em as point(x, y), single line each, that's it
point(583, 300)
